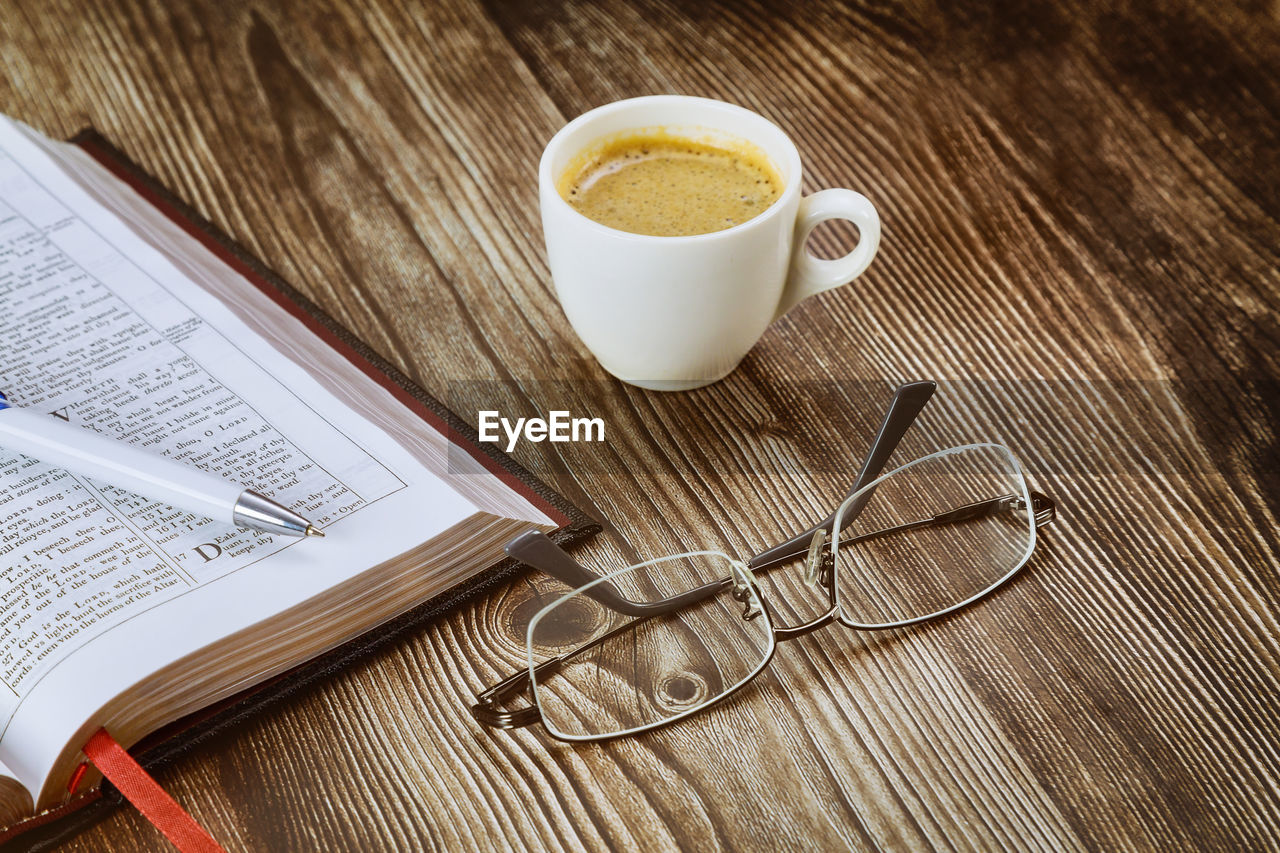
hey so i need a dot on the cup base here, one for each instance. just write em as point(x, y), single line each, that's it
point(672, 384)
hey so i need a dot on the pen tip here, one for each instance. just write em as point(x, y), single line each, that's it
point(312, 530)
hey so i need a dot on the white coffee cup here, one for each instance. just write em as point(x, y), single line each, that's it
point(674, 313)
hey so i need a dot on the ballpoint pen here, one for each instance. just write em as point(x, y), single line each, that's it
point(83, 451)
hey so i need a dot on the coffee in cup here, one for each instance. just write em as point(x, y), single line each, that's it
point(653, 182)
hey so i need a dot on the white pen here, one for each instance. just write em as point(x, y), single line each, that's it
point(83, 451)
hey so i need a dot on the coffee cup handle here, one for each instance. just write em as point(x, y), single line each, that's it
point(810, 275)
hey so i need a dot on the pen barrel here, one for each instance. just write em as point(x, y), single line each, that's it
point(107, 460)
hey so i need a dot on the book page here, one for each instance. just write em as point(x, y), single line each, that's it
point(102, 586)
point(328, 365)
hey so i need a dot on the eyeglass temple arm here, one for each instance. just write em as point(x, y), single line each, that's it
point(907, 403)
point(534, 548)
point(1043, 511)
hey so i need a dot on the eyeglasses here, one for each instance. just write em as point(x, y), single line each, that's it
point(652, 643)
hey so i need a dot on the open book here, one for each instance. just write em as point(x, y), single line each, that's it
point(116, 315)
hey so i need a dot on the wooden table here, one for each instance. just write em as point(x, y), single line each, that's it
point(1080, 239)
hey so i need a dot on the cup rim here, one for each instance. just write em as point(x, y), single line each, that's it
point(547, 181)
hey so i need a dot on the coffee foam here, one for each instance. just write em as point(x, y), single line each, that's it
point(658, 182)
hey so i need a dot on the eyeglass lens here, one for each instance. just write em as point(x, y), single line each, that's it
point(622, 673)
point(933, 534)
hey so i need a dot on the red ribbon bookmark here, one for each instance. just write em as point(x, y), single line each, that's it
point(148, 797)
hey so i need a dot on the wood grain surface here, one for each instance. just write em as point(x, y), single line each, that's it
point(1081, 212)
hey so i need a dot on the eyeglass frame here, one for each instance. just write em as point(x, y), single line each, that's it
point(536, 549)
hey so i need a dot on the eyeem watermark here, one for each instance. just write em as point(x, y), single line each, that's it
point(557, 426)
